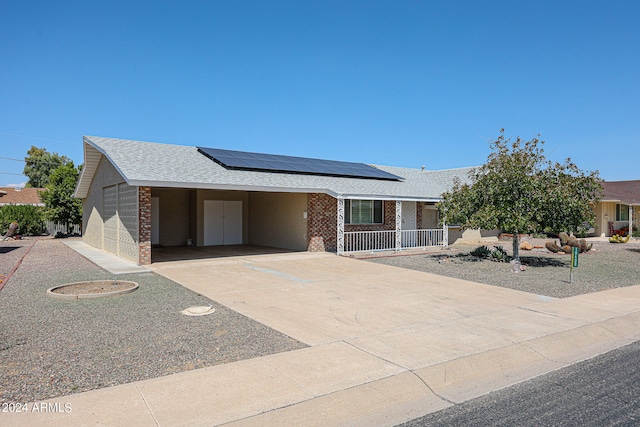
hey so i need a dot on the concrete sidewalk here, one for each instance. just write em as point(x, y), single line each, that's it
point(386, 345)
point(103, 259)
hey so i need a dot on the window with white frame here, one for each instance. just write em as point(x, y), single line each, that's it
point(363, 212)
point(622, 212)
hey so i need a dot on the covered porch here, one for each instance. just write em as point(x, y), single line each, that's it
point(400, 224)
point(616, 218)
point(618, 211)
point(627, 225)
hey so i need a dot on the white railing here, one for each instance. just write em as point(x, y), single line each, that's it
point(360, 241)
point(53, 227)
point(422, 238)
point(371, 241)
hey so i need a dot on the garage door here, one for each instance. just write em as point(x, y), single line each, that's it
point(120, 210)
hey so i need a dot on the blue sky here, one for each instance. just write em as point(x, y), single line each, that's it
point(402, 83)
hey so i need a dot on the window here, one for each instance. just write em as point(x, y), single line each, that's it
point(622, 212)
point(363, 212)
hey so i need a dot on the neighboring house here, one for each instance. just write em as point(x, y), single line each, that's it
point(138, 194)
point(18, 196)
point(618, 211)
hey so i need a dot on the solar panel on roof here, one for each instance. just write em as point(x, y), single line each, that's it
point(240, 160)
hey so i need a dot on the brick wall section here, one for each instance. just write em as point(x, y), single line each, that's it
point(144, 217)
point(322, 229)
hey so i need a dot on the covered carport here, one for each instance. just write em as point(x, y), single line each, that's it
point(220, 223)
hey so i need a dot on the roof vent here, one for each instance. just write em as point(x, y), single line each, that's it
point(422, 168)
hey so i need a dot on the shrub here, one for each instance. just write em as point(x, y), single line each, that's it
point(499, 254)
point(30, 219)
point(481, 252)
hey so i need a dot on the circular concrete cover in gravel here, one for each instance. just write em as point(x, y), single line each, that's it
point(198, 310)
point(92, 289)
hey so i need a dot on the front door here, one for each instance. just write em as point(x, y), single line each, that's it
point(408, 223)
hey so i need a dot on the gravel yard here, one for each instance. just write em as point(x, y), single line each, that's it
point(51, 347)
point(606, 266)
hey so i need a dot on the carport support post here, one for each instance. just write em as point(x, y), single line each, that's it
point(144, 225)
point(340, 226)
point(630, 220)
point(398, 225)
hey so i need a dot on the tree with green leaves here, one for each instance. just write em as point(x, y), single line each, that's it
point(520, 191)
point(62, 207)
point(39, 164)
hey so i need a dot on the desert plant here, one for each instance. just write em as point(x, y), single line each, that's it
point(573, 242)
point(499, 254)
point(481, 252)
point(567, 243)
point(552, 247)
point(564, 238)
point(619, 239)
point(584, 247)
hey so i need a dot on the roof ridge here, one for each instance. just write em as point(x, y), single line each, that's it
point(618, 182)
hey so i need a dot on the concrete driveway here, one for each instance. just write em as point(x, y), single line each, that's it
point(322, 298)
point(387, 345)
point(371, 324)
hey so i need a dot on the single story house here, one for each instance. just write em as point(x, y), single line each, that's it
point(21, 196)
point(618, 211)
point(137, 195)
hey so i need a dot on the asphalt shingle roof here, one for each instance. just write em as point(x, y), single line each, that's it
point(166, 165)
point(627, 192)
point(24, 196)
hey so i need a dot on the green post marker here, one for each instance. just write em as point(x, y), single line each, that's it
point(574, 262)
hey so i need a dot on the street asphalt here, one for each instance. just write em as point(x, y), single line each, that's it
point(602, 391)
